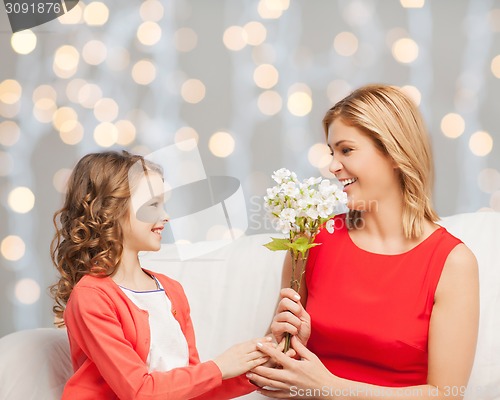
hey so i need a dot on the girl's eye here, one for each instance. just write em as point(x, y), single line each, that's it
point(345, 150)
point(153, 205)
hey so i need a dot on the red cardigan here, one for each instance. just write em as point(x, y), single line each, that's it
point(109, 340)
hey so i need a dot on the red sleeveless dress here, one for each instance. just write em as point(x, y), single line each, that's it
point(370, 312)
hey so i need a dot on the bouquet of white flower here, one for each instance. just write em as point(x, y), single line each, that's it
point(300, 209)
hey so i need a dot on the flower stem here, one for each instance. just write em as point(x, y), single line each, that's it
point(298, 269)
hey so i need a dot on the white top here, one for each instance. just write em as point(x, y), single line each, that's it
point(168, 347)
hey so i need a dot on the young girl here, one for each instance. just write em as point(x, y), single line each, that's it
point(390, 305)
point(129, 329)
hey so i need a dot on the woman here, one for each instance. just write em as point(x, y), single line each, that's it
point(129, 329)
point(390, 305)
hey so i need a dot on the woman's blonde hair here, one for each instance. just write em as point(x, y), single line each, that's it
point(88, 239)
point(386, 115)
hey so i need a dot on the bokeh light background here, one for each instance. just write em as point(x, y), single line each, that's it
point(248, 79)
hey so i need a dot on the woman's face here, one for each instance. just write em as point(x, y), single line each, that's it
point(367, 174)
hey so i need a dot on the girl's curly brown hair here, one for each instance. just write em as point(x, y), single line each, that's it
point(88, 239)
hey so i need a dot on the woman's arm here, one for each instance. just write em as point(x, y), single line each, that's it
point(452, 341)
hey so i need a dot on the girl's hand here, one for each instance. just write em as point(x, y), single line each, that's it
point(291, 317)
point(242, 357)
point(294, 375)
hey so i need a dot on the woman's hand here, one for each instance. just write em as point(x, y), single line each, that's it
point(295, 376)
point(242, 357)
point(291, 317)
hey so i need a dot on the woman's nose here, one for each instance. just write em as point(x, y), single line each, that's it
point(335, 166)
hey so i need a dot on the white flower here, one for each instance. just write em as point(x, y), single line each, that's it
point(325, 209)
point(288, 215)
point(283, 226)
point(280, 175)
point(312, 213)
point(312, 181)
point(290, 189)
point(272, 192)
point(330, 226)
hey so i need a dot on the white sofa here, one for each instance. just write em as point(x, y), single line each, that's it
point(233, 293)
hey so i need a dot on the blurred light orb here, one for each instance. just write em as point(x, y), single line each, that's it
point(272, 9)
point(186, 138)
point(74, 16)
point(126, 132)
point(10, 91)
point(9, 110)
point(299, 100)
point(255, 33)
point(62, 115)
point(27, 291)
point(357, 13)
point(144, 72)
point(495, 201)
point(412, 3)
point(89, 94)
point(489, 180)
point(151, 10)
point(66, 61)
point(23, 42)
point(71, 132)
point(96, 13)
point(185, 39)
point(221, 144)
point(12, 248)
point(337, 90)
point(105, 134)
point(452, 125)
point(319, 155)
point(106, 110)
point(494, 19)
point(21, 200)
point(73, 88)
point(6, 163)
point(44, 110)
point(345, 44)
point(44, 92)
point(60, 179)
point(413, 93)
point(94, 52)
point(235, 38)
point(265, 76)
point(269, 102)
point(149, 33)
point(9, 133)
point(495, 66)
point(405, 50)
point(481, 143)
point(193, 91)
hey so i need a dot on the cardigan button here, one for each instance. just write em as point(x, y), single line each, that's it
point(174, 312)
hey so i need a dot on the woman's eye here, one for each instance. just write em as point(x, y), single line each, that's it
point(346, 150)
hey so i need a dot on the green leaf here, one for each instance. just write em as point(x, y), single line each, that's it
point(301, 245)
point(278, 244)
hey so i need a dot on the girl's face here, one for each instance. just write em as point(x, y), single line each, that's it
point(367, 174)
point(146, 217)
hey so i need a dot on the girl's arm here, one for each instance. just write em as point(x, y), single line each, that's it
point(95, 328)
point(452, 342)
